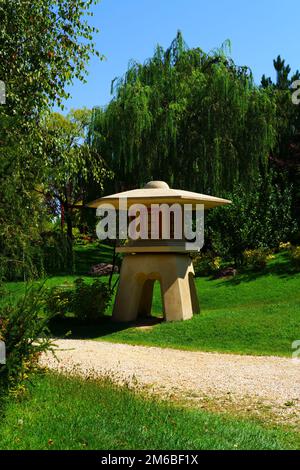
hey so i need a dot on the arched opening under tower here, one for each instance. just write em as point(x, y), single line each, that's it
point(151, 307)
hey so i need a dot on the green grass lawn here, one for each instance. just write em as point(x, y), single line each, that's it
point(252, 313)
point(70, 413)
point(257, 316)
point(255, 313)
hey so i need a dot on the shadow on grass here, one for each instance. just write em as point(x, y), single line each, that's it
point(73, 328)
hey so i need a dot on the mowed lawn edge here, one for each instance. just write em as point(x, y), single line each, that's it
point(61, 412)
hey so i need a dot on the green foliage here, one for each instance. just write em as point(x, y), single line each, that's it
point(193, 119)
point(24, 330)
point(57, 253)
point(295, 256)
point(285, 154)
point(86, 302)
point(257, 219)
point(47, 253)
point(44, 46)
point(69, 159)
point(206, 264)
point(82, 239)
point(69, 163)
point(90, 301)
point(59, 300)
point(21, 261)
point(22, 217)
point(256, 259)
point(44, 253)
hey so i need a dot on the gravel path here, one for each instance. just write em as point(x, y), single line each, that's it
point(210, 380)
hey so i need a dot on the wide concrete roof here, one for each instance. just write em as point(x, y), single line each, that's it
point(158, 192)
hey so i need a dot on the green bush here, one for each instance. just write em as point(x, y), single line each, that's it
point(295, 256)
point(57, 252)
point(85, 301)
point(45, 253)
point(21, 261)
point(59, 300)
point(82, 239)
point(285, 246)
point(90, 300)
point(206, 264)
point(24, 330)
point(256, 259)
point(259, 217)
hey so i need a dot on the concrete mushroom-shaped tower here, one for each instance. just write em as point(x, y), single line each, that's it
point(163, 259)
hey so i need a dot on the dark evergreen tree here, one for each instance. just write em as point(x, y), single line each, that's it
point(285, 156)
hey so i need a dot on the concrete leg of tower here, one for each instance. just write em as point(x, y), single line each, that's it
point(139, 272)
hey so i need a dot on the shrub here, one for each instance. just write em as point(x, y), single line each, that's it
point(59, 300)
point(21, 261)
point(260, 218)
point(206, 264)
point(24, 330)
point(46, 253)
point(57, 252)
point(295, 256)
point(82, 239)
point(90, 300)
point(285, 246)
point(85, 301)
point(256, 259)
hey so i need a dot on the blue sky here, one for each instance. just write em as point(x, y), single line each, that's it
point(259, 30)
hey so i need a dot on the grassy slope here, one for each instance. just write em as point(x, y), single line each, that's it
point(254, 313)
point(248, 314)
point(65, 413)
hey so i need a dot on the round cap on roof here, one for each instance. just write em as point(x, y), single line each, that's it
point(157, 185)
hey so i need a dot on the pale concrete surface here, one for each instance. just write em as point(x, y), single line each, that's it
point(175, 274)
point(158, 192)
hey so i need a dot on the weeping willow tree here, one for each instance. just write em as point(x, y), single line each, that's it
point(193, 119)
